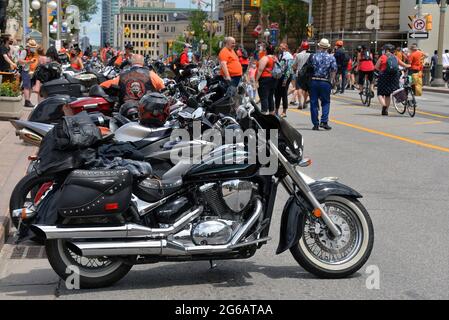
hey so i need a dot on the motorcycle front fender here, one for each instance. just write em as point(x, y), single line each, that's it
point(295, 212)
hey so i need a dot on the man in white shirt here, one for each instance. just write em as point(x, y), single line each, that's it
point(446, 59)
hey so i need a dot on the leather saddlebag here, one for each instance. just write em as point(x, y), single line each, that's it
point(93, 193)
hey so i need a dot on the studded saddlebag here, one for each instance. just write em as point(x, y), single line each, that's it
point(91, 193)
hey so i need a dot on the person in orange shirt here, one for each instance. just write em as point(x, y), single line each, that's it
point(416, 59)
point(124, 58)
point(231, 69)
point(75, 61)
point(28, 60)
point(135, 82)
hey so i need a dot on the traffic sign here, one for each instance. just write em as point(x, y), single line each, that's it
point(418, 35)
point(419, 24)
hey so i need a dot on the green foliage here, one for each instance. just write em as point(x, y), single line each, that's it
point(9, 89)
point(87, 9)
point(292, 16)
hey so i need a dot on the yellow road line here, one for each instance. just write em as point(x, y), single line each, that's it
point(375, 103)
point(427, 122)
point(388, 135)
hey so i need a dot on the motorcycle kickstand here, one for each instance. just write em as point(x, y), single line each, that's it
point(212, 265)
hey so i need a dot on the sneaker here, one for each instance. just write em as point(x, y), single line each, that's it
point(283, 115)
point(300, 107)
point(316, 128)
point(28, 104)
point(325, 126)
point(294, 103)
point(384, 111)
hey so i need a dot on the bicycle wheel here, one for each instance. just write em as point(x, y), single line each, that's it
point(411, 105)
point(368, 93)
point(400, 107)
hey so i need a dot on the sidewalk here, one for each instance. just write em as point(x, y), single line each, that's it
point(13, 162)
point(436, 90)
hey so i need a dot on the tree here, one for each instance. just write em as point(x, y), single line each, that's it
point(292, 16)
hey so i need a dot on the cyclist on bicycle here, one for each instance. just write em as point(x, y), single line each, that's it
point(342, 58)
point(365, 69)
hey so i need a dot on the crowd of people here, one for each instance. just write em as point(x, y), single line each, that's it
point(274, 73)
point(278, 76)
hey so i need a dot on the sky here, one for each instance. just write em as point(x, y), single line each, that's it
point(93, 27)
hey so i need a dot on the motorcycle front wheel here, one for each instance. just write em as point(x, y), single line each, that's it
point(326, 256)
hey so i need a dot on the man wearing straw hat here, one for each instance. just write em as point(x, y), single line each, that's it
point(324, 69)
point(28, 60)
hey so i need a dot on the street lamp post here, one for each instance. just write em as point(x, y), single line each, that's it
point(242, 23)
point(438, 80)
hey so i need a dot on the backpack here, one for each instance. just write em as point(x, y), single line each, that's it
point(366, 55)
point(277, 71)
point(306, 72)
point(392, 65)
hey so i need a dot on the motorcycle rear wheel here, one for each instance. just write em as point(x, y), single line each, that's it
point(93, 273)
point(333, 258)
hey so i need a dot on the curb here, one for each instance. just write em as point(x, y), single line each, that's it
point(436, 90)
point(4, 230)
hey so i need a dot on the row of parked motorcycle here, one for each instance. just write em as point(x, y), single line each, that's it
point(105, 192)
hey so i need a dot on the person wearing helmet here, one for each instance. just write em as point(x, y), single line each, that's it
point(136, 82)
point(154, 110)
point(365, 69)
point(302, 86)
point(388, 66)
point(342, 58)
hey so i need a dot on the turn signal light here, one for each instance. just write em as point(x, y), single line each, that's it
point(317, 212)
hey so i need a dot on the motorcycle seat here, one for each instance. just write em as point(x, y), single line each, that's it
point(134, 132)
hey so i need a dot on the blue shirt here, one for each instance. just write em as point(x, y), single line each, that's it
point(323, 64)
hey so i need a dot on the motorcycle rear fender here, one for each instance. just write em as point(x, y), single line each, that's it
point(295, 211)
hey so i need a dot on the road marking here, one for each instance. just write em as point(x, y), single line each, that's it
point(427, 122)
point(381, 133)
point(377, 104)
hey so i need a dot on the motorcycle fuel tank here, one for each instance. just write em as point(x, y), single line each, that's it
point(225, 162)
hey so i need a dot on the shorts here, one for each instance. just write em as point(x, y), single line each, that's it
point(26, 80)
point(362, 75)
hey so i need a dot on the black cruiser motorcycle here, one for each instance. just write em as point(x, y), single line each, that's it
point(208, 211)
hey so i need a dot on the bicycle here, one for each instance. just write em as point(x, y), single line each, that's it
point(404, 98)
point(366, 94)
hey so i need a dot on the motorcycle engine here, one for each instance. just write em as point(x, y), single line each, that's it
point(225, 207)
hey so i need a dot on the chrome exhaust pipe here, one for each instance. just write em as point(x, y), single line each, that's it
point(165, 247)
point(126, 231)
point(29, 136)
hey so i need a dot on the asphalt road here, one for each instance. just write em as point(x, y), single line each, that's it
point(400, 165)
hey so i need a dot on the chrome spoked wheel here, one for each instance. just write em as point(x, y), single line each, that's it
point(324, 255)
point(328, 249)
point(88, 267)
